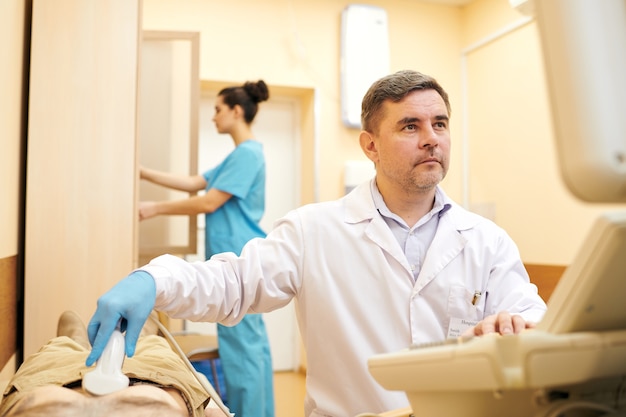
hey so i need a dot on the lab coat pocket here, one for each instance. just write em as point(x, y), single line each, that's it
point(464, 303)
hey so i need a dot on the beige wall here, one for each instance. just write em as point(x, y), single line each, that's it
point(512, 174)
point(11, 45)
point(297, 43)
point(12, 20)
point(513, 167)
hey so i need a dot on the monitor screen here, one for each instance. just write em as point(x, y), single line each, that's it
point(590, 294)
point(584, 49)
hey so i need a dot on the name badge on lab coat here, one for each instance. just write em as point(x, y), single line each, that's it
point(458, 326)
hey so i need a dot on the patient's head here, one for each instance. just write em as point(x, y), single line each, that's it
point(136, 401)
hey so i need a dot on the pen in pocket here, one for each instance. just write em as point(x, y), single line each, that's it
point(476, 297)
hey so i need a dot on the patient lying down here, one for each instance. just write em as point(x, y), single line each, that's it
point(48, 383)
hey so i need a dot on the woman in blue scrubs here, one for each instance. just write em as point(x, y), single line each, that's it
point(233, 203)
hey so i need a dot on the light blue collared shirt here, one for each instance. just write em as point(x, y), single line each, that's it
point(415, 240)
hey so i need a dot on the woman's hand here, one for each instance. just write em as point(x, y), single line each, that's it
point(147, 210)
point(142, 173)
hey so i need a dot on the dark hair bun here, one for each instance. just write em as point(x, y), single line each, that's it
point(257, 91)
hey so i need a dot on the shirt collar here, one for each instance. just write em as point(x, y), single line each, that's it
point(440, 207)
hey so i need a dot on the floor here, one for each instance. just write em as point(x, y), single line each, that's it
point(289, 394)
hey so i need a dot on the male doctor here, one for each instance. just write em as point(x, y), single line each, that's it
point(395, 262)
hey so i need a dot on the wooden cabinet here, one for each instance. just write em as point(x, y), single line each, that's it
point(98, 107)
point(81, 220)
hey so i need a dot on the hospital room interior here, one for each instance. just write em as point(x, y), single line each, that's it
point(70, 183)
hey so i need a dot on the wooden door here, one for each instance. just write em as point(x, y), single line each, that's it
point(81, 161)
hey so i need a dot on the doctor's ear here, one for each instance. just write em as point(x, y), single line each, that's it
point(368, 145)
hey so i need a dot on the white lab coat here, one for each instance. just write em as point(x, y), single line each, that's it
point(354, 290)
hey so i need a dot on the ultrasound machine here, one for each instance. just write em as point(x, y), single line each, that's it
point(573, 364)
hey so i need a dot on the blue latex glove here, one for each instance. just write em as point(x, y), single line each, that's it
point(131, 300)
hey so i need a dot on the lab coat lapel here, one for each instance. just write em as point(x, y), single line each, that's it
point(447, 244)
point(380, 234)
point(360, 207)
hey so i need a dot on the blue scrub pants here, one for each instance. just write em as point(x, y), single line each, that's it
point(247, 366)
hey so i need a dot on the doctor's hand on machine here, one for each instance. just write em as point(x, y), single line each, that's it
point(503, 323)
point(131, 300)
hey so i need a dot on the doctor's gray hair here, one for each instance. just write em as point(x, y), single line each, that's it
point(395, 87)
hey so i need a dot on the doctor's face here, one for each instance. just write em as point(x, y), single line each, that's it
point(411, 146)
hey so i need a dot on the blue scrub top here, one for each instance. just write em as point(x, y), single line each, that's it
point(242, 174)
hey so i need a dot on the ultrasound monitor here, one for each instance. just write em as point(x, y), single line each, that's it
point(584, 50)
point(591, 294)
